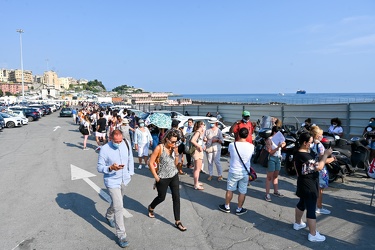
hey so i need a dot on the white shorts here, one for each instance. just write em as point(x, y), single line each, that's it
point(98, 134)
point(142, 150)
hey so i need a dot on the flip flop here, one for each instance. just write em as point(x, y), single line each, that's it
point(199, 188)
point(151, 212)
point(180, 226)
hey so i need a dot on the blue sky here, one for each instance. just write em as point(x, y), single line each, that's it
point(197, 46)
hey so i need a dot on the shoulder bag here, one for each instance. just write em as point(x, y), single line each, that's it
point(252, 174)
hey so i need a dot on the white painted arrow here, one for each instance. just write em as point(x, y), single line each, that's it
point(56, 128)
point(79, 173)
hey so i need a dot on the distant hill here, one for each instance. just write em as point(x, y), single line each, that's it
point(127, 89)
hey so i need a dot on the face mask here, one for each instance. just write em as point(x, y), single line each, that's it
point(142, 125)
point(212, 125)
point(116, 145)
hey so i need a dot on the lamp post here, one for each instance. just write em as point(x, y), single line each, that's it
point(23, 89)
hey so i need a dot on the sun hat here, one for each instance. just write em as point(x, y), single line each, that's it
point(213, 120)
point(125, 121)
point(246, 113)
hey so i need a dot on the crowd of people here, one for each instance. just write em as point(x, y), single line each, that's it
point(119, 133)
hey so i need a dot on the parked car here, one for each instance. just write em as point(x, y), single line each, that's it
point(44, 109)
point(11, 121)
point(2, 123)
point(66, 112)
point(52, 106)
point(19, 113)
point(32, 114)
point(184, 121)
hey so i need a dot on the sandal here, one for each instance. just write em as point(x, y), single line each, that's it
point(198, 188)
point(180, 226)
point(182, 173)
point(151, 212)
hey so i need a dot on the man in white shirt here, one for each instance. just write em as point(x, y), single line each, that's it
point(238, 175)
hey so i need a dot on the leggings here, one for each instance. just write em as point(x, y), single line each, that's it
point(309, 204)
point(162, 186)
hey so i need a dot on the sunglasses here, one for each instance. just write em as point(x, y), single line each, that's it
point(172, 142)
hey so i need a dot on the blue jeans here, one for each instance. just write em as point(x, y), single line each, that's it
point(131, 137)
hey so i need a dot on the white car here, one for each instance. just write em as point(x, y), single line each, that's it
point(184, 121)
point(19, 113)
point(11, 121)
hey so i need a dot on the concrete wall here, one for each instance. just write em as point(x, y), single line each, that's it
point(354, 116)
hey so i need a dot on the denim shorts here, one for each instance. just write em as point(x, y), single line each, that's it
point(238, 179)
point(274, 164)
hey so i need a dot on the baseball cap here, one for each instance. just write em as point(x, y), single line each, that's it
point(246, 113)
point(141, 121)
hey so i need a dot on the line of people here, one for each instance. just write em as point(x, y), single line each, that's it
point(116, 163)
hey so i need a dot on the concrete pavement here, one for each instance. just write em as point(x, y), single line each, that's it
point(42, 208)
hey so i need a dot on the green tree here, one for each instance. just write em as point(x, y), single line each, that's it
point(1, 93)
point(7, 93)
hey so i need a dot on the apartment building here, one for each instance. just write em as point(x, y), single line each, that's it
point(50, 79)
point(13, 88)
point(4, 75)
point(16, 76)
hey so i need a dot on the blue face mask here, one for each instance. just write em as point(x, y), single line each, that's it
point(142, 125)
point(116, 145)
point(212, 125)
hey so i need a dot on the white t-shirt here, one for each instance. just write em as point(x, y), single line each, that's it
point(246, 150)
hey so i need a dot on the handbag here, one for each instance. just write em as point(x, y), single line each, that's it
point(252, 174)
point(371, 169)
point(263, 157)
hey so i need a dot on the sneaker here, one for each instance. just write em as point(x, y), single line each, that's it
point(322, 211)
point(278, 194)
point(85, 149)
point(111, 223)
point(123, 242)
point(146, 166)
point(220, 178)
point(209, 178)
point(242, 211)
point(316, 238)
point(140, 167)
point(267, 197)
point(297, 226)
point(224, 209)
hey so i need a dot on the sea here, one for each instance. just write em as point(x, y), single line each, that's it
point(285, 98)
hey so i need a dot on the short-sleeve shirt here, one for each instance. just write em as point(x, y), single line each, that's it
point(102, 123)
point(247, 125)
point(308, 178)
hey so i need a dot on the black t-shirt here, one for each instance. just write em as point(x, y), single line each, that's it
point(308, 178)
point(101, 123)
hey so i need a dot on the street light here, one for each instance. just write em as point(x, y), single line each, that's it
point(23, 89)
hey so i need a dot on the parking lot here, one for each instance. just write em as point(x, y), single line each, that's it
point(43, 207)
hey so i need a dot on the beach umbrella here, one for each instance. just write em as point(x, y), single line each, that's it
point(160, 120)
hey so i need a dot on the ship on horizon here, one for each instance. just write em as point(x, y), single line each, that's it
point(301, 91)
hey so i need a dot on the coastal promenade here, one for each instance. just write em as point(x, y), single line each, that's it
point(49, 201)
